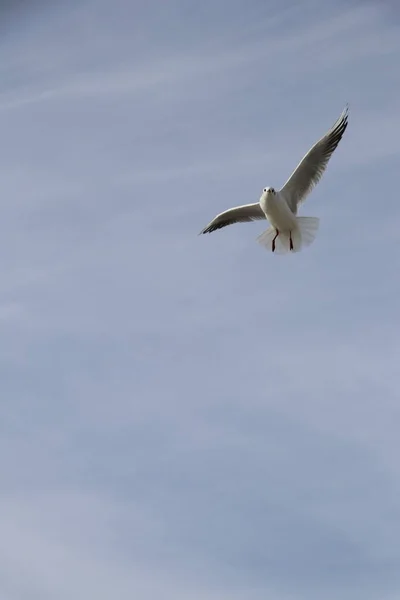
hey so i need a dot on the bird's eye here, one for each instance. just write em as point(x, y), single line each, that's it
point(265, 189)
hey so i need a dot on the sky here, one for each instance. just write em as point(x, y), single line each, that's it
point(191, 417)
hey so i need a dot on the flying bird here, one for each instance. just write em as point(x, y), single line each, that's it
point(288, 232)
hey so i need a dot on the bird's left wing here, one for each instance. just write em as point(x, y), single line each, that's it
point(239, 214)
point(311, 168)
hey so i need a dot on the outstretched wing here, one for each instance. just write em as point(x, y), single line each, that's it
point(311, 168)
point(239, 214)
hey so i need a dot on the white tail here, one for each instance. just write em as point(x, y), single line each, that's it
point(303, 235)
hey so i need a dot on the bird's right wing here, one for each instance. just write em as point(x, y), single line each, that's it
point(239, 214)
point(311, 168)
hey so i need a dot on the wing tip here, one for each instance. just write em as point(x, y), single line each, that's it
point(210, 228)
point(345, 115)
point(340, 126)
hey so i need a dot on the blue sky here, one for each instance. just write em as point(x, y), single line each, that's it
point(184, 417)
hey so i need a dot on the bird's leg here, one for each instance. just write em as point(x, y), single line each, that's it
point(273, 241)
point(291, 241)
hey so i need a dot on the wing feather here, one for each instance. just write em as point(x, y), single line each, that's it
point(239, 214)
point(312, 166)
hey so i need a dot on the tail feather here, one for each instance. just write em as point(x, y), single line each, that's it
point(303, 235)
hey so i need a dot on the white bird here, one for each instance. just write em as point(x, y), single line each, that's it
point(288, 232)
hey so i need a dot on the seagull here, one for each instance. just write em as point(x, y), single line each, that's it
point(288, 232)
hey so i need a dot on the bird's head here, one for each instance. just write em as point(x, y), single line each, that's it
point(268, 190)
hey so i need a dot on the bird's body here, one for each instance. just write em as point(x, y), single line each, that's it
point(288, 232)
point(283, 221)
point(277, 210)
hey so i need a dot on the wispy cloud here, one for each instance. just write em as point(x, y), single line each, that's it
point(346, 41)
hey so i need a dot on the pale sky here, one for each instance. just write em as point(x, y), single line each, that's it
point(185, 417)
